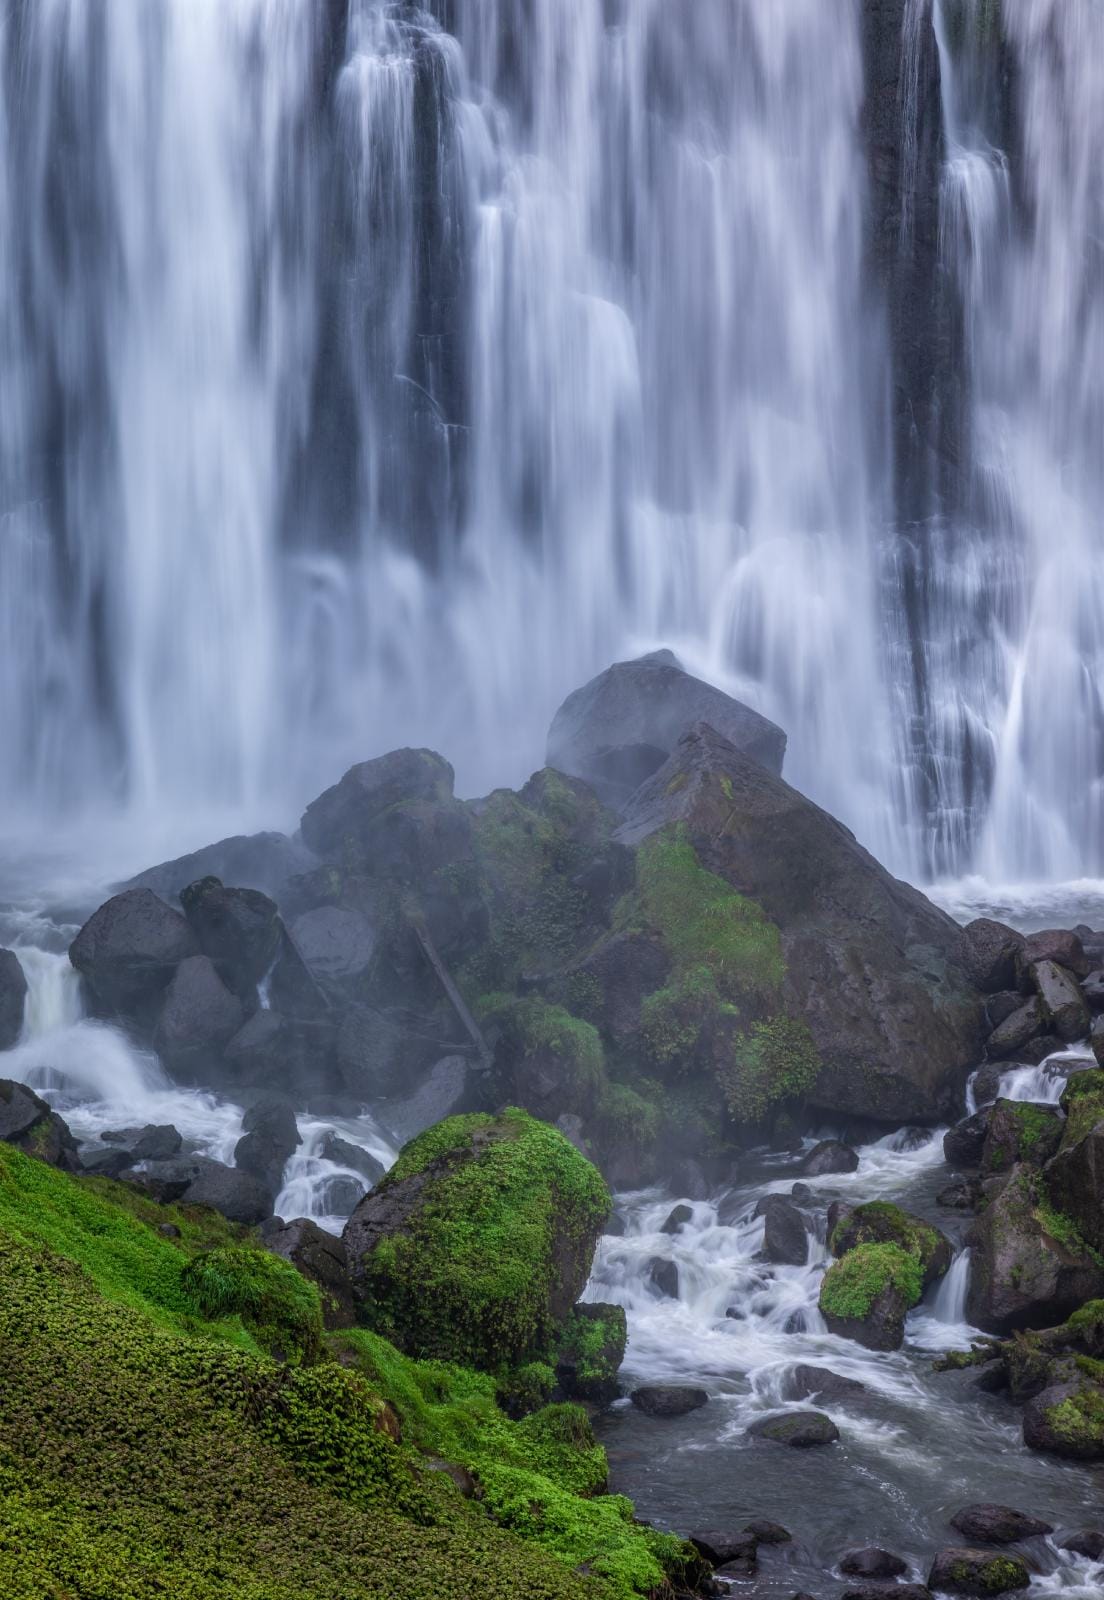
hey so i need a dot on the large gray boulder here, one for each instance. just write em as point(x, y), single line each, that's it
point(990, 951)
point(198, 1019)
point(264, 861)
point(127, 952)
point(340, 825)
point(13, 999)
point(871, 964)
point(337, 945)
point(619, 728)
point(1063, 1005)
point(239, 929)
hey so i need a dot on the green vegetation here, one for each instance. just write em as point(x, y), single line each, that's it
point(675, 1017)
point(510, 1210)
point(537, 1028)
point(591, 1351)
point(1083, 1102)
point(852, 1285)
point(1078, 1420)
point(145, 1451)
point(775, 1060)
point(881, 1222)
point(280, 1307)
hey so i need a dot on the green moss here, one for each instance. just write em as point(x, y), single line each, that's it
point(281, 1308)
point(852, 1285)
point(673, 1018)
point(881, 1222)
point(629, 1115)
point(474, 1277)
point(1083, 1102)
point(1079, 1419)
point(591, 1351)
point(525, 1389)
point(773, 1061)
point(1062, 1228)
point(535, 1026)
point(1034, 1125)
point(1088, 1321)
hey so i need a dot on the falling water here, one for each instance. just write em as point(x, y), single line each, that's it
point(451, 352)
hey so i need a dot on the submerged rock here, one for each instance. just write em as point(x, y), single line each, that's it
point(986, 1524)
point(663, 1275)
point(668, 1399)
point(618, 729)
point(960, 1570)
point(801, 1430)
point(678, 1219)
point(13, 998)
point(806, 1382)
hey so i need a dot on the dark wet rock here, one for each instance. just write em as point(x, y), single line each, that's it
point(111, 1163)
point(127, 952)
point(871, 969)
point(264, 861)
point(961, 1570)
point(156, 1142)
point(1075, 1177)
point(238, 1195)
point(339, 1195)
point(888, 1590)
point(337, 945)
point(342, 1153)
point(987, 1079)
point(13, 998)
point(724, 1548)
point(987, 1524)
point(678, 1219)
point(1089, 1542)
point(1023, 1274)
point(663, 1276)
point(239, 929)
point(28, 1123)
point(340, 824)
point(1019, 1130)
point(838, 1213)
point(381, 1055)
point(1096, 1040)
point(880, 1325)
point(807, 1383)
point(1036, 1051)
point(1067, 1419)
point(785, 1240)
point(451, 1086)
point(168, 1181)
point(198, 1018)
point(1058, 945)
point(287, 1055)
point(615, 1226)
point(689, 1178)
point(829, 1156)
point(881, 1222)
point(1000, 1006)
point(989, 952)
point(801, 1430)
point(321, 1257)
point(1016, 1031)
point(620, 973)
point(801, 1191)
point(619, 728)
point(1064, 1009)
point(796, 1322)
point(668, 1400)
point(269, 1138)
point(168, 1230)
point(961, 1196)
point(872, 1562)
point(735, 1314)
point(591, 1352)
point(964, 1143)
point(767, 1532)
point(1092, 988)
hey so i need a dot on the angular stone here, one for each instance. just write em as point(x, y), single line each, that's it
point(829, 1156)
point(1063, 1004)
point(1015, 1031)
point(668, 1400)
point(988, 950)
point(1019, 1130)
point(872, 1562)
point(320, 1257)
point(128, 950)
point(1058, 945)
point(785, 1239)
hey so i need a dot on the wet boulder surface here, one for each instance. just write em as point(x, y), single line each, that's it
point(13, 999)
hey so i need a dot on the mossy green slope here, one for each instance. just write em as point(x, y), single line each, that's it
point(145, 1451)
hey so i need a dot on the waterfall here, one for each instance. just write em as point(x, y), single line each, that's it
point(374, 372)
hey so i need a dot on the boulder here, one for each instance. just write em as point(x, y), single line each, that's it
point(105, 1163)
point(320, 1257)
point(1063, 1005)
point(478, 1243)
point(591, 1352)
point(169, 1180)
point(199, 1016)
point(986, 1081)
point(1017, 1030)
point(964, 1144)
point(1092, 988)
point(1057, 945)
point(238, 1195)
point(264, 861)
point(663, 1275)
point(28, 1123)
point(829, 1156)
point(158, 1141)
point(1075, 1177)
point(337, 946)
point(678, 1219)
point(1088, 1542)
point(340, 824)
point(450, 1086)
point(1027, 1265)
point(880, 1222)
point(870, 965)
point(767, 1532)
point(872, 1562)
point(332, 1147)
point(127, 952)
point(619, 728)
point(1019, 1130)
point(867, 1294)
point(720, 1547)
point(986, 1524)
point(961, 1570)
point(546, 1060)
point(1001, 1005)
point(886, 1590)
point(961, 1196)
point(785, 1239)
point(1067, 1419)
point(339, 1195)
point(269, 1139)
point(13, 999)
point(381, 1055)
point(801, 1430)
point(668, 1400)
point(989, 952)
point(291, 1056)
point(806, 1382)
point(239, 929)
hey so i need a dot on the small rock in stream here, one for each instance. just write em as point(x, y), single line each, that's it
point(720, 1548)
point(664, 1276)
point(769, 1532)
point(801, 1430)
point(961, 1570)
point(1089, 1542)
point(678, 1219)
point(872, 1562)
point(888, 1591)
point(829, 1156)
point(986, 1524)
point(805, 1382)
point(668, 1400)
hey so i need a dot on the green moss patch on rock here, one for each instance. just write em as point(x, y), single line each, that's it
point(591, 1351)
point(478, 1242)
point(546, 1060)
point(867, 1293)
point(880, 1222)
point(1018, 1131)
point(280, 1307)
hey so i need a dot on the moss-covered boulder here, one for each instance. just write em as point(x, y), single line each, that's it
point(478, 1242)
point(1075, 1176)
point(28, 1123)
point(1067, 1419)
point(1018, 1130)
point(865, 963)
point(868, 1293)
point(879, 1222)
point(962, 1570)
point(591, 1351)
point(546, 1060)
point(1030, 1263)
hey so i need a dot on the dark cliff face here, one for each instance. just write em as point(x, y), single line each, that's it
point(903, 137)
